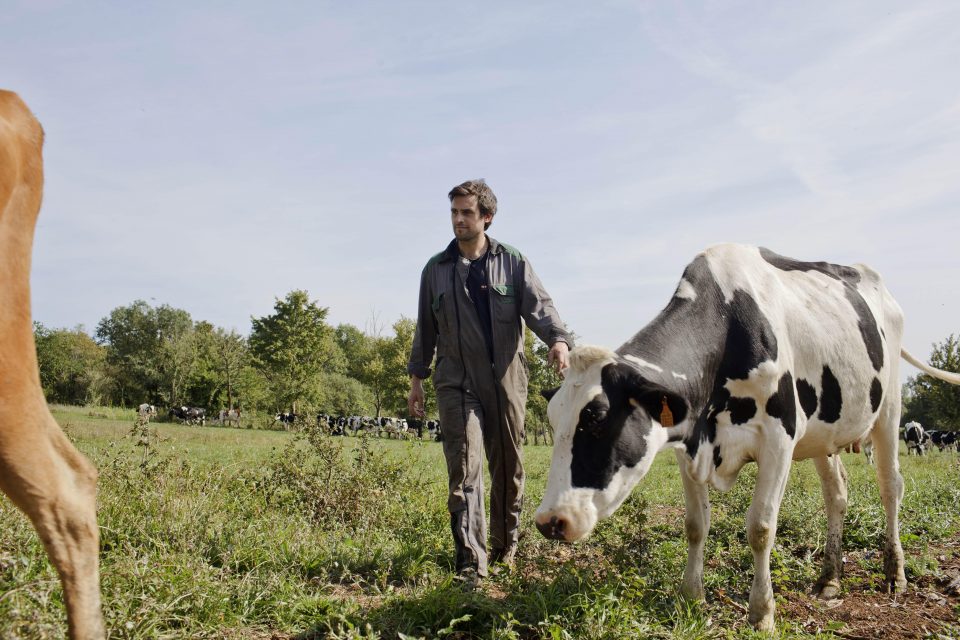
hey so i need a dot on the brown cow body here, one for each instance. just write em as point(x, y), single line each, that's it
point(40, 470)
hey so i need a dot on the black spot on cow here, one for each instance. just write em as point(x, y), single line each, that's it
point(749, 341)
point(850, 277)
point(876, 395)
point(611, 431)
point(835, 271)
point(808, 396)
point(717, 458)
point(831, 398)
point(741, 409)
point(783, 405)
point(868, 326)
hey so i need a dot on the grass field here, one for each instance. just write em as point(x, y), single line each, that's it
point(229, 533)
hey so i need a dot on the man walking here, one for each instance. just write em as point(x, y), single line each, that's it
point(474, 298)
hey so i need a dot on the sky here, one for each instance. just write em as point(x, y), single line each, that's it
point(214, 156)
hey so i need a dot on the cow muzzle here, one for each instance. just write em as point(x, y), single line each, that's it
point(554, 528)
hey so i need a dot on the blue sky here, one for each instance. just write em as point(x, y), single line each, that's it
point(214, 156)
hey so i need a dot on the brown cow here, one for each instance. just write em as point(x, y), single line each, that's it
point(40, 470)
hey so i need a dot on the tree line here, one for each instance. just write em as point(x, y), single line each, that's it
point(292, 360)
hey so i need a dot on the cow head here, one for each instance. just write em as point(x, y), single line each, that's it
point(607, 431)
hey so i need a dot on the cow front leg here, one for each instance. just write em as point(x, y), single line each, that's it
point(833, 482)
point(55, 485)
point(772, 473)
point(697, 526)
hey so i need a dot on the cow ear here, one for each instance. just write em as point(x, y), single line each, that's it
point(549, 393)
point(652, 397)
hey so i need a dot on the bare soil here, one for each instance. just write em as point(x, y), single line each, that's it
point(927, 609)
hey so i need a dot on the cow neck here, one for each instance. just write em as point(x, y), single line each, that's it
point(680, 353)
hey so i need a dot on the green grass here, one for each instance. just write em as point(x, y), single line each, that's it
point(241, 533)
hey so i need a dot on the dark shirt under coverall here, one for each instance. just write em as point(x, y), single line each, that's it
point(481, 382)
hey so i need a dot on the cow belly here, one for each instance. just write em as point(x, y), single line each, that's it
point(823, 439)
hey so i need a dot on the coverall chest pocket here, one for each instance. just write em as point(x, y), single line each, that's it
point(441, 309)
point(504, 301)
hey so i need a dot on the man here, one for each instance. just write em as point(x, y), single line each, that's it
point(474, 298)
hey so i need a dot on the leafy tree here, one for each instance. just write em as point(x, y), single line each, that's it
point(343, 395)
point(72, 365)
point(541, 376)
point(146, 351)
point(356, 347)
point(230, 355)
point(932, 402)
point(293, 346)
point(176, 361)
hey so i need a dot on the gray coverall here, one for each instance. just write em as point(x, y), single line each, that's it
point(481, 403)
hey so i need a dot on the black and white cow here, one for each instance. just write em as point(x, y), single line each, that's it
point(916, 438)
point(189, 415)
point(943, 439)
point(229, 417)
point(146, 411)
point(756, 358)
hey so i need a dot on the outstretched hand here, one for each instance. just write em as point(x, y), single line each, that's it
point(559, 356)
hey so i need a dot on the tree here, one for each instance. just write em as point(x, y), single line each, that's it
point(933, 402)
point(230, 356)
point(293, 346)
point(72, 366)
point(341, 395)
point(540, 376)
point(145, 350)
point(396, 380)
point(356, 347)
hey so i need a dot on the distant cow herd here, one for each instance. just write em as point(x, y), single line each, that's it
point(336, 425)
point(920, 440)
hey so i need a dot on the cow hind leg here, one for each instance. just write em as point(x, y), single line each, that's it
point(833, 482)
point(773, 470)
point(886, 454)
point(55, 485)
point(697, 526)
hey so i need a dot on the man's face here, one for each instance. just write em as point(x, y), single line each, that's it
point(467, 220)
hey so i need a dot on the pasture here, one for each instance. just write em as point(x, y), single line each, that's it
point(211, 532)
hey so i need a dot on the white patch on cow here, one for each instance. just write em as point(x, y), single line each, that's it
point(685, 290)
point(640, 362)
point(678, 376)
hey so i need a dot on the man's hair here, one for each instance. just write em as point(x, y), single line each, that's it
point(485, 198)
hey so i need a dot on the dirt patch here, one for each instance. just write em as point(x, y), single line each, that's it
point(928, 608)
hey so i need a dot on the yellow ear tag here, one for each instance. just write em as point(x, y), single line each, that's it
point(666, 416)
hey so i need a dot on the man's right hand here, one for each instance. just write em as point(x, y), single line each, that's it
point(416, 398)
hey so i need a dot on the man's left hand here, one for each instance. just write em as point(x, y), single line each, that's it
point(559, 356)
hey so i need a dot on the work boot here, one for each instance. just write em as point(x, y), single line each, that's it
point(507, 557)
point(468, 578)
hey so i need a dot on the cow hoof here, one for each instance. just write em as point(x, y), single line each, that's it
point(694, 592)
point(764, 624)
point(899, 585)
point(826, 589)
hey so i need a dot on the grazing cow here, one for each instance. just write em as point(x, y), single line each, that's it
point(287, 418)
point(943, 439)
point(146, 411)
point(229, 417)
point(433, 428)
point(40, 470)
point(189, 415)
point(757, 358)
point(916, 438)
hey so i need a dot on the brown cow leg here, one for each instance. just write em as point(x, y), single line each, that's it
point(55, 485)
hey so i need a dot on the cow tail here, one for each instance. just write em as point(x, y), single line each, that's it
point(939, 374)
